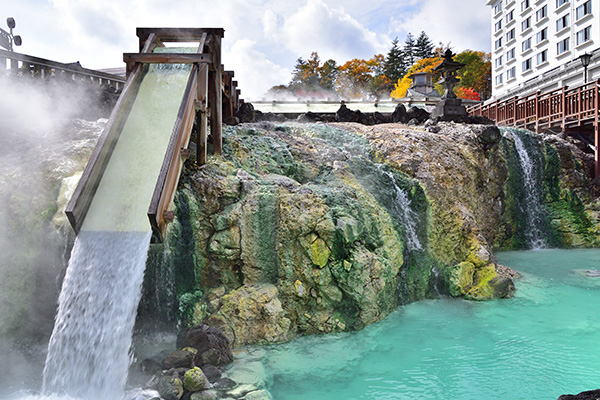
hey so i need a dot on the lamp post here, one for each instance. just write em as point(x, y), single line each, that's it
point(7, 39)
point(585, 59)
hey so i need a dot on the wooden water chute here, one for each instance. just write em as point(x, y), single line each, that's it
point(204, 88)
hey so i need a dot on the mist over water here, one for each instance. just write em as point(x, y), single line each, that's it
point(42, 141)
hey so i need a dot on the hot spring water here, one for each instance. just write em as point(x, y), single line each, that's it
point(538, 345)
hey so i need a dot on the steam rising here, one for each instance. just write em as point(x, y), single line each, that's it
point(42, 141)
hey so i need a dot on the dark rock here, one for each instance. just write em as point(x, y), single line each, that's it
point(366, 119)
point(204, 338)
point(487, 135)
point(344, 114)
point(170, 388)
point(399, 114)
point(150, 366)
point(179, 359)
point(479, 120)
point(503, 287)
point(309, 117)
point(417, 113)
point(379, 118)
point(260, 116)
point(412, 122)
point(246, 113)
point(225, 383)
point(204, 395)
point(232, 121)
point(588, 395)
point(212, 373)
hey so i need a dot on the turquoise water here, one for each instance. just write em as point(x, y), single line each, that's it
point(540, 344)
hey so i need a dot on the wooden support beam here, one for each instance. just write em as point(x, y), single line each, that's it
point(167, 58)
point(202, 115)
point(215, 93)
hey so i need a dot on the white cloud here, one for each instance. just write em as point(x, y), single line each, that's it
point(466, 27)
point(333, 33)
point(254, 72)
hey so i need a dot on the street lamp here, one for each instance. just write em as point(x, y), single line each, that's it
point(7, 39)
point(585, 59)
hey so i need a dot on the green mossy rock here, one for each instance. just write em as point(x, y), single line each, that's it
point(194, 380)
point(170, 388)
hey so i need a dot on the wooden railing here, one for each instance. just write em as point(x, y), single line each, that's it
point(569, 109)
point(25, 65)
point(560, 108)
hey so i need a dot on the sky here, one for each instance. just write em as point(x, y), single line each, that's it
point(263, 38)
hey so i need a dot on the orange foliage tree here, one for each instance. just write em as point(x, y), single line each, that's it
point(423, 65)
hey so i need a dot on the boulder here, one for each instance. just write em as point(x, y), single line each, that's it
point(417, 113)
point(194, 380)
point(170, 387)
point(204, 395)
point(179, 359)
point(246, 113)
point(588, 395)
point(344, 114)
point(399, 114)
point(212, 373)
point(206, 338)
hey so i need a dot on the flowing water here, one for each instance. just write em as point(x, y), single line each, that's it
point(538, 345)
point(534, 210)
point(409, 218)
point(88, 354)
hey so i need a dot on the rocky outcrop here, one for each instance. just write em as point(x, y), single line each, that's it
point(588, 395)
point(299, 229)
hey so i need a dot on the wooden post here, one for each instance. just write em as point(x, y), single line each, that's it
point(201, 115)
point(215, 93)
point(563, 109)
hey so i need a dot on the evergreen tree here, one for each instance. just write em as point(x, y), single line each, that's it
point(423, 47)
point(394, 66)
point(409, 50)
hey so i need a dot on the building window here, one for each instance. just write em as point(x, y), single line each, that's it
point(498, 61)
point(524, 5)
point(563, 22)
point(498, 8)
point(510, 16)
point(542, 35)
point(584, 35)
point(498, 26)
point(561, 2)
point(498, 43)
point(510, 54)
point(499, 80)
point(526, 24)
point(510, 35)
point(541, 13)
point(511, 73)
point(542, 57)
point(526, 45)
point(562, 46)
point(527, 65)
point(583, 10)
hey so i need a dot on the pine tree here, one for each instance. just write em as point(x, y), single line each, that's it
point(409, 50)
point(395, 66)
point(423, 47)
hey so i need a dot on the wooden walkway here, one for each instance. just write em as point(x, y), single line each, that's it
point(573, 110)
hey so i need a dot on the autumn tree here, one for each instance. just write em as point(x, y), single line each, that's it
point(476, 73)
point(423, 65)
point(358, 78)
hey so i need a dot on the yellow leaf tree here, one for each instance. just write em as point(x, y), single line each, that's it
point(423, 65)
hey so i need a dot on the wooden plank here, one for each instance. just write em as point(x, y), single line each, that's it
point(215, 94)
point(202, 120)
point(78, 206)
point(179, 34)
point(167, 58)
point(168, 177)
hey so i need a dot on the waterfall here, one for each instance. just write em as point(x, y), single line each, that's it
point(88, 354)
point(533, 208)
point(402, 207)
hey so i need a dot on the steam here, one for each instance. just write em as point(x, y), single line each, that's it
point(42, 141)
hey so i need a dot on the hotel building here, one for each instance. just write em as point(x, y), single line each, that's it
point(537, 44)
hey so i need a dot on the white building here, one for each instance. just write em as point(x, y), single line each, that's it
point(536, 44)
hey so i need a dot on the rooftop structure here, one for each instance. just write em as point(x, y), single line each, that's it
point(537, 44)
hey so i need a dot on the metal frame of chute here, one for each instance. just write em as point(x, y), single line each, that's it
point(202, 96)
